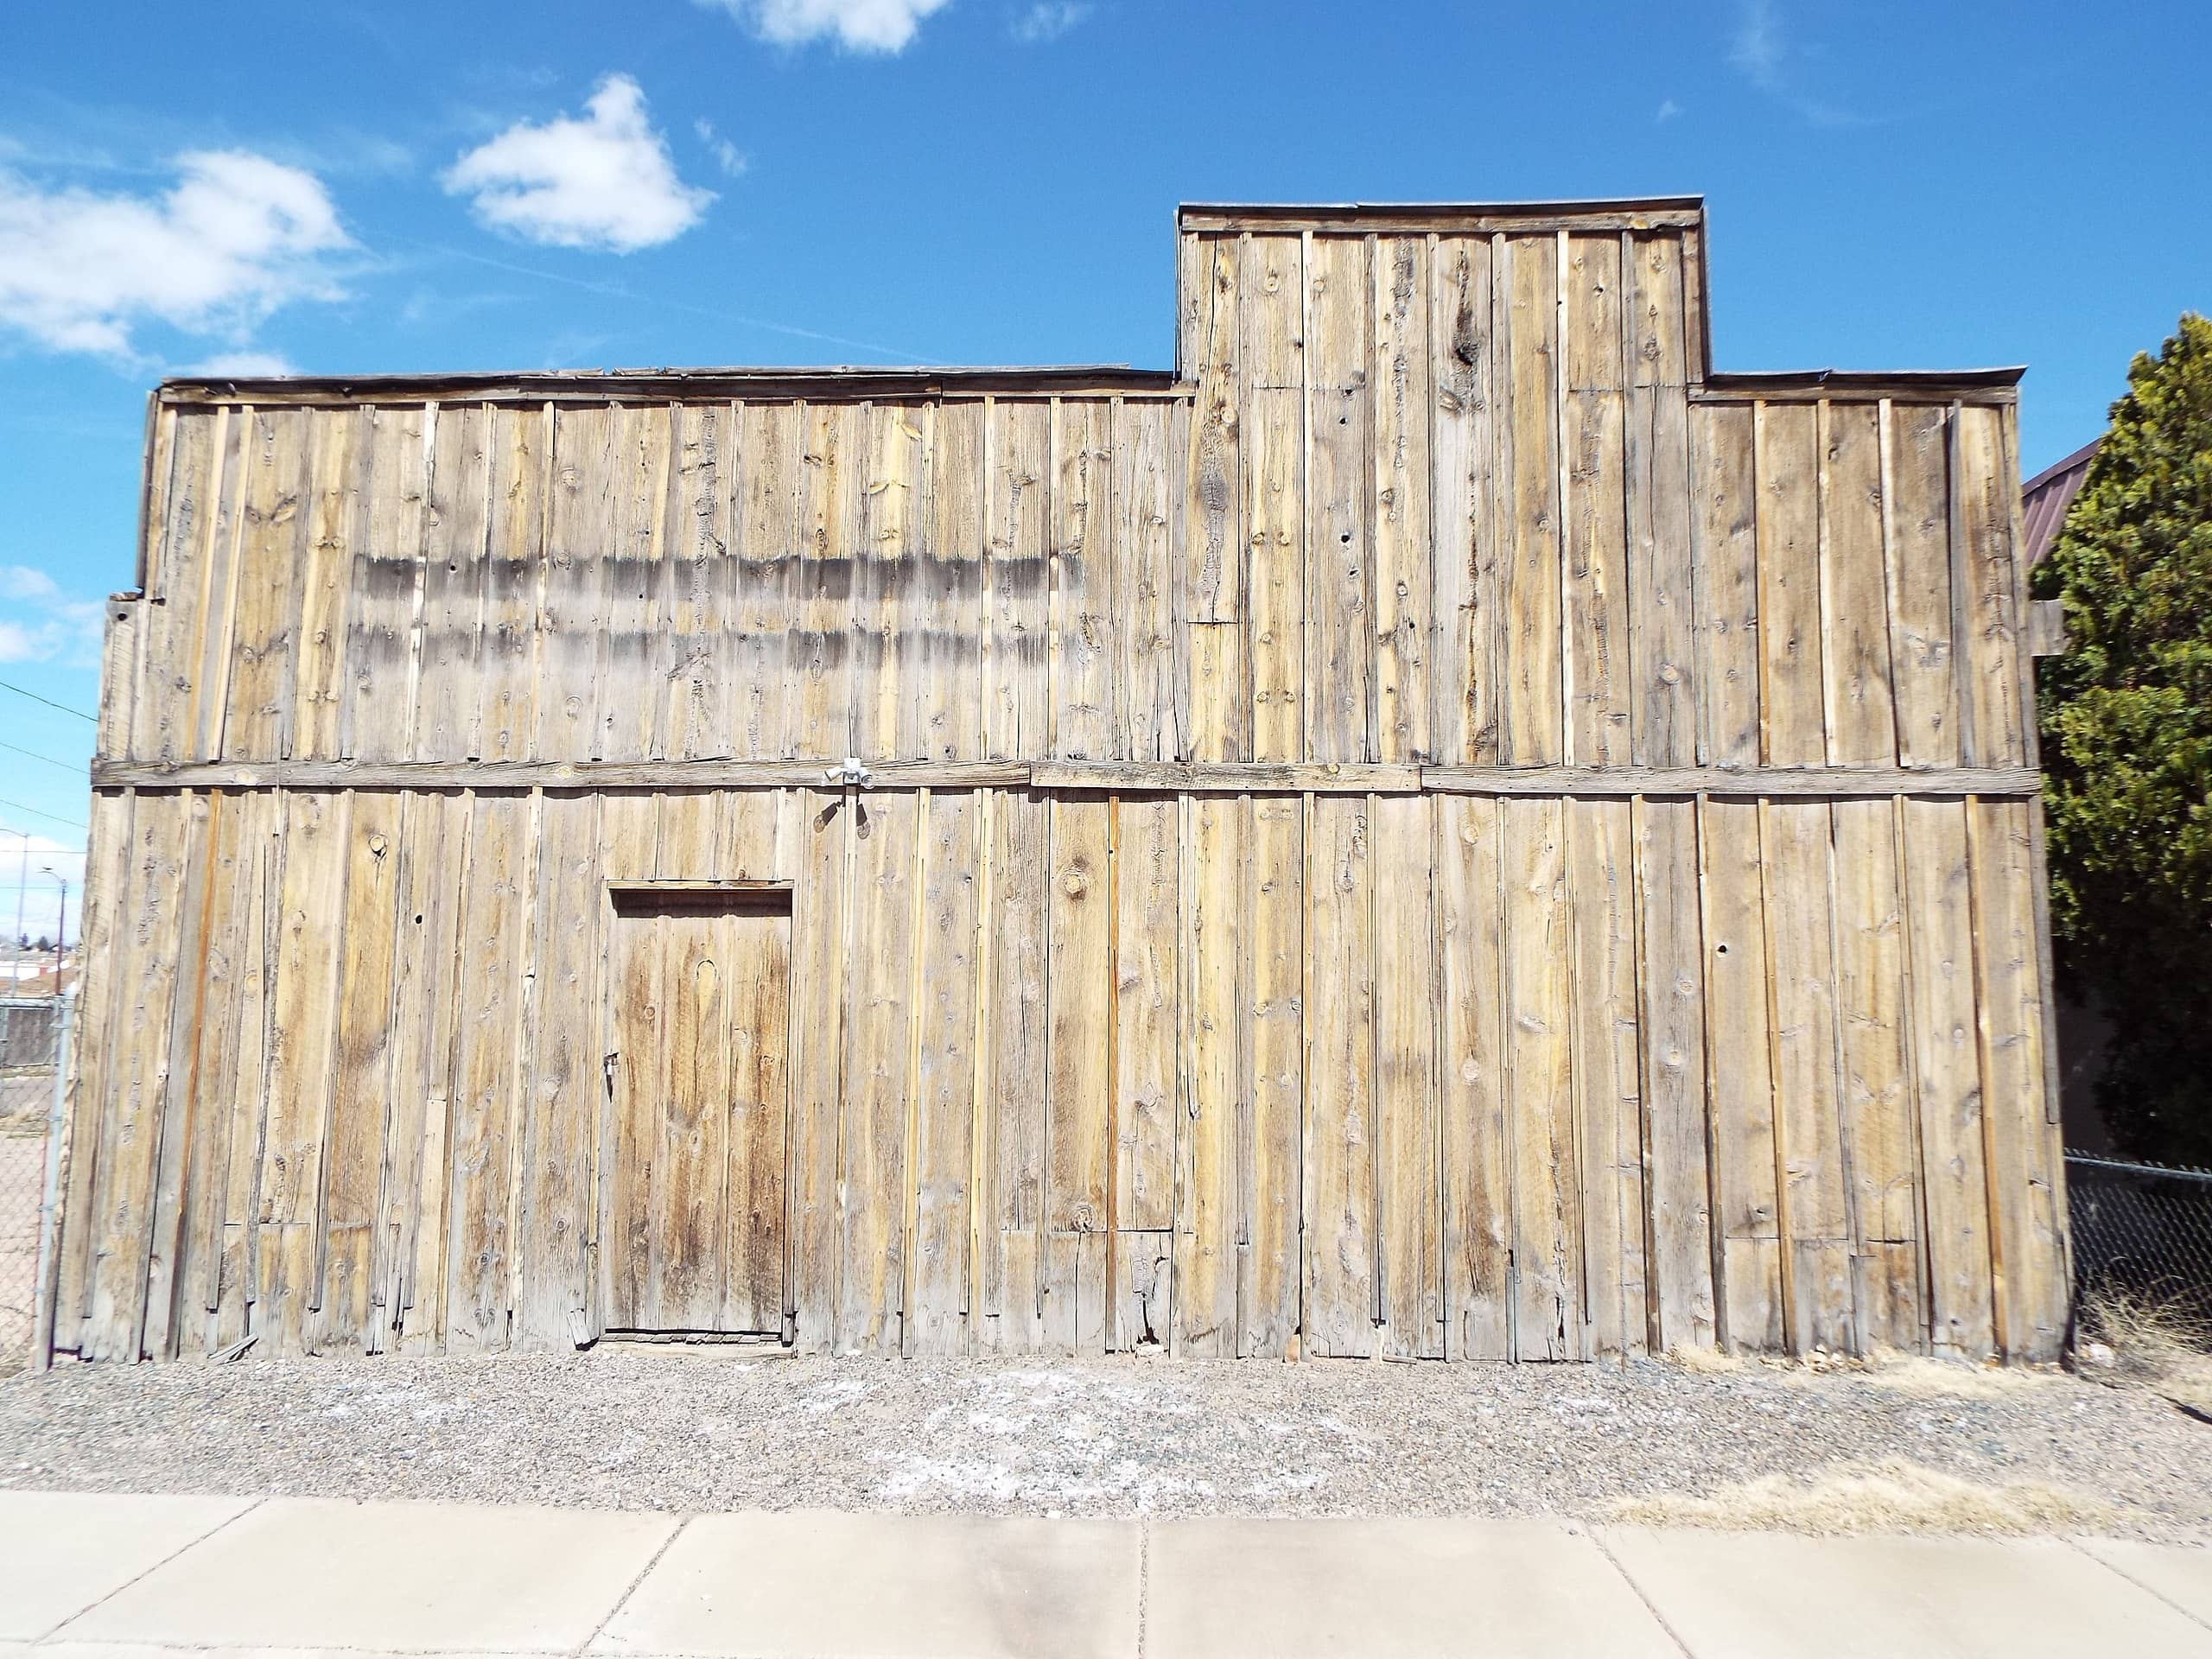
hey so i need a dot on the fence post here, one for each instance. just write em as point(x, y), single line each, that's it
point(50, 1208)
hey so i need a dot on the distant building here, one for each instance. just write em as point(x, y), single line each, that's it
point(2044, 498)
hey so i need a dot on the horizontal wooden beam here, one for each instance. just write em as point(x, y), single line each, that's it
point(558, 774)
point(1994, 386)
point(1223, 778)
point(1769, 782)
point(1471, 218)
point(676, 385)
point(1135, 777)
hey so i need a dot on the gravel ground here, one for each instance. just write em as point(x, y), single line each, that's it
point(678, 1432)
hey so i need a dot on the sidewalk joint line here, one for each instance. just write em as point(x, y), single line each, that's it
point(194, 1544)
point(2126, 1577)
point(1144, 1583)
point(629, 1590)
point(1597, 1538)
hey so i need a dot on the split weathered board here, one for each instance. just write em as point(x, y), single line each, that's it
point(1439, 829)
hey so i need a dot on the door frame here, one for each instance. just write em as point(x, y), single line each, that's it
point(615, 899)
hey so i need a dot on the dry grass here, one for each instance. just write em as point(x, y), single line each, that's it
point(2156, 1343)
point(1953, 1379)
point(1892, 1496)
point(1705, 1362)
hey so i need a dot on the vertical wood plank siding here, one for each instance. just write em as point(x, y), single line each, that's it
point(1445, 1074)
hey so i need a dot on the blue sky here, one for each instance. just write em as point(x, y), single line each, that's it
point(354, 187)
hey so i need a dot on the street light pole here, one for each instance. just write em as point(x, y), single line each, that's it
point(60, 922)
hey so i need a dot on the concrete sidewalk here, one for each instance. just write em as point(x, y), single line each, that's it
point(85, 1575)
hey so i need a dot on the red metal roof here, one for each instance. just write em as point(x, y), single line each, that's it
point(2044, 498)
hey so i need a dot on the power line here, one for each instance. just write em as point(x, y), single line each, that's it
point(18, 806)
point(77, 769)
point(49, 702)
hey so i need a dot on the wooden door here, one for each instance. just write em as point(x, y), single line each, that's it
point(701, 990)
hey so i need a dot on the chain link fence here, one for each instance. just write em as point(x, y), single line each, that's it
point(33, 1053)
point(2142, 1229)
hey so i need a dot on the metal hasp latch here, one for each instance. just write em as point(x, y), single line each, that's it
point(852, 774)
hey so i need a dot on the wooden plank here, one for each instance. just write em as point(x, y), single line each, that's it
point(698, 704)
point(1662, 581)
point(769, 437)
point(1600, 666)
point(426, 997)
point(1218, 842)
point(1078, 1086)
point(1018, 579)
point(1531, 731)
point(1213, 563)
point(632, 1046)
point(1606, 1043)
point(256, 722)
point(1271, 1138)
point(1086, 616)
point(390, 474)
point(1739, 1059)
point(1145, 583)
point(944, 714)
point(1986, 494)
point(819, 956)
point(1405, 395)
point(687, 1095)
point(562, 1084)
point(188, 1222)
point(104, 943)
point(1724, 553)
point(302, 1027)
point(153, 918)
point(1657, 308)
point(1791, 710)
point(185, 471)
point(1917, 496)
point(1146, 1009)
point(1870, 983)
point(233, 1255)
point(1593, 288)
point(1340, 1171)
point(1341, 458)
point(1478, 1171)
point(1947, 1076)
point(872, 1162)
point(1010, 1209)
point(753, 1246)
point(505, 692)
point(362, 1085)
point(206, 660)
point(1144, 1264)
point(1548, 1302)
point(580, 529)
point(1270, 312)
point(1678, 1125)
point(635, 553)
point(1466, 603)
point(1811, 1155)
point(1854, 601)
point(456, 573)
point(892, 458)
point(1409, 1222)
point(495, 878)
point(1274, 448)
point(944, 1079)
point(2021, 1149)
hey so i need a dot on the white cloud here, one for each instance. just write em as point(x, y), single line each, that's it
point(857, 25)
point(605, 182)
point(1668, 110)
point(1770, 59)
point(1048, 20)
point(39, 623)
point(728, 156)
point(239, 235)
point(245, 365)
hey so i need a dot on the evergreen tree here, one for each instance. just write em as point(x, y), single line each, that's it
point(2126, 722)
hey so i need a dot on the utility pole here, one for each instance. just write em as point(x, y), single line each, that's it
point(61, 924)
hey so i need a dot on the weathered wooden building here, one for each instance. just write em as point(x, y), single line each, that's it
point(1440, 828)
